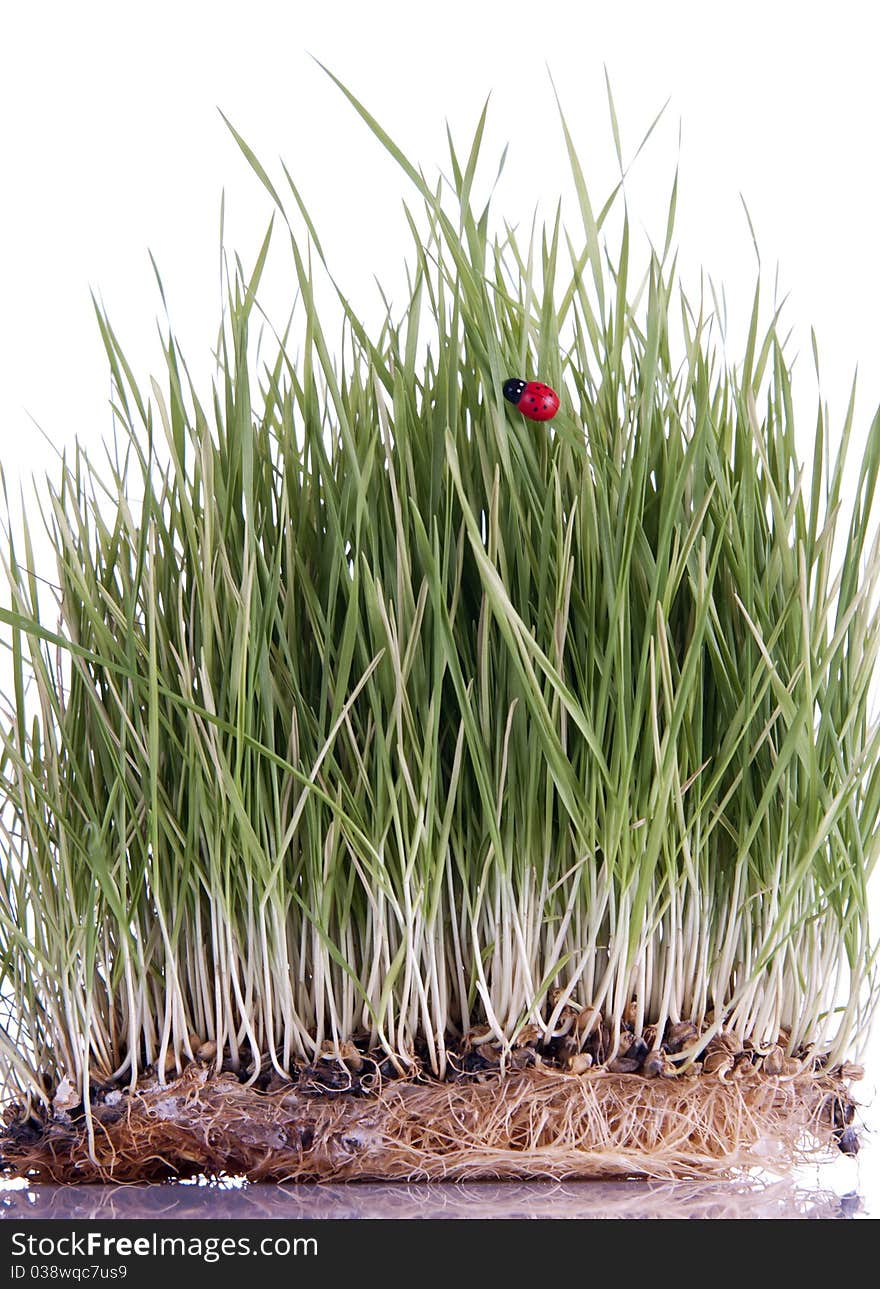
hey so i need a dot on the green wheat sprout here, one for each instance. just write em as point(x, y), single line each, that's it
point(383, 714)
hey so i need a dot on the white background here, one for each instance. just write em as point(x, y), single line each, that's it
point(112, 143)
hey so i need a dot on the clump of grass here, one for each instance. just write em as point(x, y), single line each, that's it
point(366, 708)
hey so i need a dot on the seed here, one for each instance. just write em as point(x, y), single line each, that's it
point(579, 1063)
point(623, 1065)
point(528, 1036)
point(718, 1062)
point(351, 1056)
point(773, 1061)
point(567, 1018)
point(625, 1042)
point(637, 1050)
point(207, 1051)
point(654, 1064)
point(848, 1142)
point(680, 1034)
point(587, 1020)
point(725, 1041)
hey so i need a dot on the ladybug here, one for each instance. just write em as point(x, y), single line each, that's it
point(536, 401)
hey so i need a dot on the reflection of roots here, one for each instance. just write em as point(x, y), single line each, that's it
point(528, 1123)
point(748, 1197)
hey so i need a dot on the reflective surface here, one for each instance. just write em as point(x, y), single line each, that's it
point(779, 1199)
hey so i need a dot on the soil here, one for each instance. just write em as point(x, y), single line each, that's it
point(545, 1111)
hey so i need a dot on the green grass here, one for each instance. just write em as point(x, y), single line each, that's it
point(366, 706)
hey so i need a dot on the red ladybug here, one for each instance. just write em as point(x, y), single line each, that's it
point(536, 401)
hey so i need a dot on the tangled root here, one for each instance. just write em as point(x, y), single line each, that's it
point(532, 1123)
